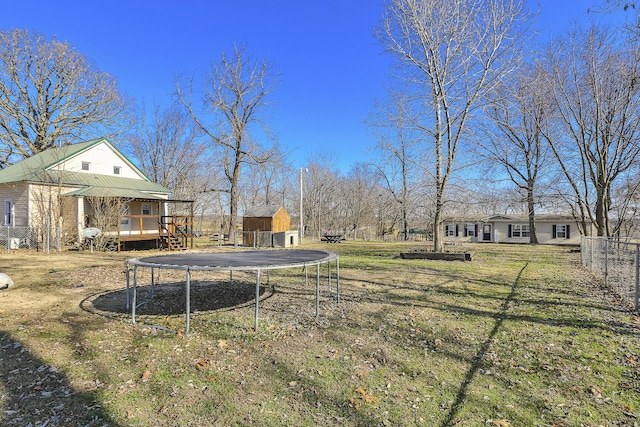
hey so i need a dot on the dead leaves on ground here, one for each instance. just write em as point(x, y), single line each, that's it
point(201, 364)
point(363, 397)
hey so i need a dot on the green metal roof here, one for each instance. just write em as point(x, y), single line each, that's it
point(112, 192)
point(35, 169)
point(24, 170)
point(84, 179)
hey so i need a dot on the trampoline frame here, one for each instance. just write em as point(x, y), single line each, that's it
point(133, 264)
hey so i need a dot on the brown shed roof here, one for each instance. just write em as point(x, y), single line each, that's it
point(262, 211)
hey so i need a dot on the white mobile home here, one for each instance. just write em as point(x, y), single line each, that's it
point(550, 229)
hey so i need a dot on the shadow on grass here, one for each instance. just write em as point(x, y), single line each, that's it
point(551, 305)
point(169, 298)
point(34, 393)
point(484, 348)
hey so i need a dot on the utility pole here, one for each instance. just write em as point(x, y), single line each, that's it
point(301, 220)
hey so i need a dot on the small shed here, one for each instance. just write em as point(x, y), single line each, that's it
point(268, 226)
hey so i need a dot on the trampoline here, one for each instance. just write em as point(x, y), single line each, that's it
point(254, 260)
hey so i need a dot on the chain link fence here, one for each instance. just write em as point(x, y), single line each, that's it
point(618, 263)
point(41, 239)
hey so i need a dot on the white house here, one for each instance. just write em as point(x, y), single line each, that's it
point(71, 187)
point(550, 229)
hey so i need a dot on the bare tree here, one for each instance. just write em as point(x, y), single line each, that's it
point(609, 6)
point(397, 145)
point(321, 199)
point(235, 96)
point(455, 52)
point(520, 111)
point(104, 214)
point(268, 183)
point(596, 84)
point(168, 147)
point(47, 206)
point(626, 197)
point(50, 95)
point(357, 190)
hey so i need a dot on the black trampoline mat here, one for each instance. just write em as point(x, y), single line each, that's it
point(250, 259)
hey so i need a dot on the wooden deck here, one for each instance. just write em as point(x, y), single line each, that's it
point(172, 232)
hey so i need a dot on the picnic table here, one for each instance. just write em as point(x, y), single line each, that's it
point(332, 238)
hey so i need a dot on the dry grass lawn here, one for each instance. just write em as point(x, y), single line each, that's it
point(520, 336)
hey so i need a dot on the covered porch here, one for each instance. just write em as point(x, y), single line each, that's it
point(162, 224)
point(138, 221)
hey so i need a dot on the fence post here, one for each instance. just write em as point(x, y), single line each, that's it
point(637, 299)
point(606, 260)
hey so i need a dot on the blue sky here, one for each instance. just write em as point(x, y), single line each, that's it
point(332, 68)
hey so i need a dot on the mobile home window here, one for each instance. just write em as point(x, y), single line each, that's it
point(86, 166)
point(561, 231)
point(519, 230)
point(451, 230)
point(146, 209)
point(471, 230)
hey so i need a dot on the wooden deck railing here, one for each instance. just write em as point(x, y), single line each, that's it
point(162, 228)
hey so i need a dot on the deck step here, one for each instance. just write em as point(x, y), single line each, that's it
point(174, 244)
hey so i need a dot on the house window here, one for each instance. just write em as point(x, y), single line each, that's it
point(117, 170)
point(450, 230)
point(125, 211)
point(86, 166)
point(561, 231)
point(519, 230)
point(470, 230)
point(8, 215)
point(146, 209)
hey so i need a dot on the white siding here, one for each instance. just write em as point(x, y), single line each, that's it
point(102, 160)
point(19, 195)
point(500, 229)
point(545, 234)
point(503, 232)
point(46, 201)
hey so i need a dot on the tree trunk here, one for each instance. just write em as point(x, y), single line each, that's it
point(438, 231)
point(533, 236)
point(233, 202)
point(601, 211)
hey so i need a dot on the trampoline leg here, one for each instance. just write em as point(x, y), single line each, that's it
point(329, 276)
point(257, 299)
point(230, 277)
point(134, 294)
point(317, 291)
point(306, 275)
point(187, 299)
point(153, 283)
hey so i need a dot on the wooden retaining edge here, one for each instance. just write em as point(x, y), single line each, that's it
point(444, 256)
